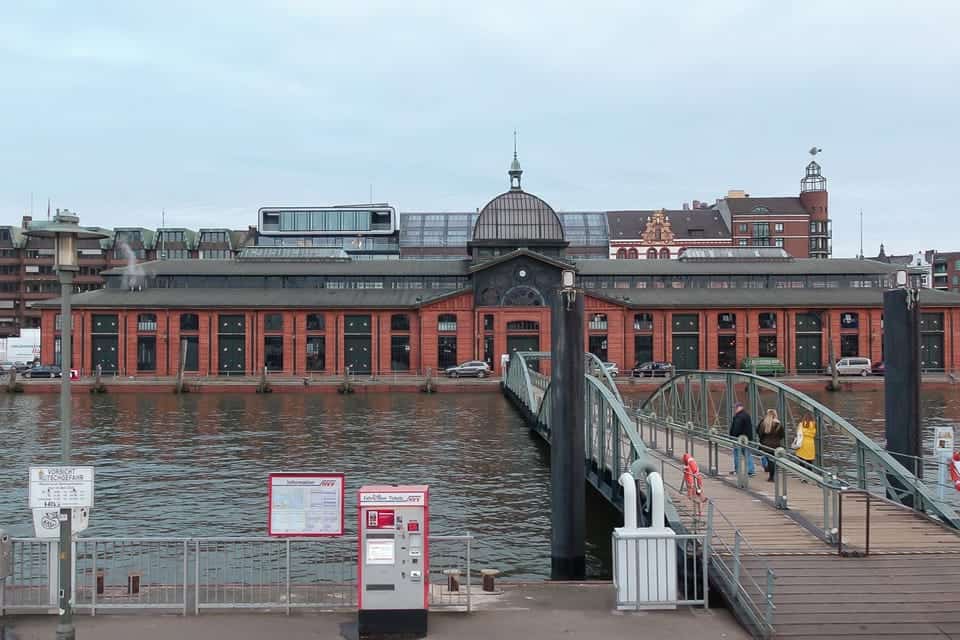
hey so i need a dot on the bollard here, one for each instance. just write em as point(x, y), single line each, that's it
point(453, 579)
point(488, 579)
point(133, 583)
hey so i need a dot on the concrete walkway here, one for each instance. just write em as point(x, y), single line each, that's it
point(535, 612)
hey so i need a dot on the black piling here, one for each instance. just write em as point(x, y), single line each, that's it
point(901, 340)
point(567, 473)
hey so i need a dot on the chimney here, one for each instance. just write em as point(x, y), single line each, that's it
point(737, 193)
point(26, 221)
point(696, 204)
point(687, 206)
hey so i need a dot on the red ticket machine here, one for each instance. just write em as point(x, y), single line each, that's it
point(394, 561)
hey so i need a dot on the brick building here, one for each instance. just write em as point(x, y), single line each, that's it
point(296, 314)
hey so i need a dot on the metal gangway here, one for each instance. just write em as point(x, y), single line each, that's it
point(847, 538)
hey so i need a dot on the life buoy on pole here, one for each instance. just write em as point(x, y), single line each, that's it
point(954, 467)
point(692, 478)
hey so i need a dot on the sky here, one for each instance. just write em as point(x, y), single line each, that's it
point(210, 110)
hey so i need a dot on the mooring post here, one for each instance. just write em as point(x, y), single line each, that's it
point(567, 472)
point(901, 339)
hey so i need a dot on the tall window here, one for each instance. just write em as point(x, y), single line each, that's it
point(146, 353)
point(273, 353)
point(651, 254)
point(632, 254)
point(621, 254)
point(316, 353)
point(664, 254)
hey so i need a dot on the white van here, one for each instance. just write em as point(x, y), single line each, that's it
point(854, 367)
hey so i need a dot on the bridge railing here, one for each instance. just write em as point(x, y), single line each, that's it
point(703, 402)
point(745, 576)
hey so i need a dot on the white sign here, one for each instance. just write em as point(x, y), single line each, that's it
point(61, 487)
point(46, 522)
point(943, 441)
point(387, 498)
point(380, 551)
point(306, 504)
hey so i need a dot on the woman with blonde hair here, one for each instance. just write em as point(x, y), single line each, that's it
point(771, 436)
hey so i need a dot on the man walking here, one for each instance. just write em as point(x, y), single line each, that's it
point(741, 425)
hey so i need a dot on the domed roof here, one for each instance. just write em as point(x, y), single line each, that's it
point(518, 215)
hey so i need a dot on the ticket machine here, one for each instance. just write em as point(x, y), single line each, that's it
point(394, 561)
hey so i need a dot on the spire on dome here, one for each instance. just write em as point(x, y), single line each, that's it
point(515, 170)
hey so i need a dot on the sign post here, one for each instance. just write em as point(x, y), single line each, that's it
point(943, 451)
point(65, 489)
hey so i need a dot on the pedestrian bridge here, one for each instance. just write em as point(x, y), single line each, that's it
point(852, 546)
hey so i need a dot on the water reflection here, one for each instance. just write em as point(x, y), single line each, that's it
point(197, 465)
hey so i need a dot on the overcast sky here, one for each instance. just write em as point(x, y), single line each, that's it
point(212, 109)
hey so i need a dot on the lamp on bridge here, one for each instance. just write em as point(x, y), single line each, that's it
point(66, 233)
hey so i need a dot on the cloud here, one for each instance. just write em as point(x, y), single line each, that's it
point(213, 108)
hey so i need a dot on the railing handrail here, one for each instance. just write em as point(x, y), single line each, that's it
point(891, 465)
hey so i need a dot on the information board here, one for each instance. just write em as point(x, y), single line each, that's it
point(943, 441)
point(305, 504)
point(61, 487)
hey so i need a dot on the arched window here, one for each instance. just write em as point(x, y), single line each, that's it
point(146, 322)
point(523, 325)
point(651, 254)
point(447, 322)
point(401, 322)
point(664, 254)
point(598, 322)
point(632, 254)
point(621, 254)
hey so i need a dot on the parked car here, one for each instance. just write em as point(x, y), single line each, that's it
point(43, 372)
point(652, 369)
point(22, 366)
point(473, 368)
point(763, 366)
point(878, 369)
point(852, 367)
point(611, 368)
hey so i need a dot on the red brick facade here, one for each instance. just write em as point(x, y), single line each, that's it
point(423, 332)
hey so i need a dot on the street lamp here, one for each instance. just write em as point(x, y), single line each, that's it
point(65, 231)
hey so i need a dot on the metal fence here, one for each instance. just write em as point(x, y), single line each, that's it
point(195, 574)
point(647, 589)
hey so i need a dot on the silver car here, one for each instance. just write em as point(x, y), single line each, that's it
point(853, 367)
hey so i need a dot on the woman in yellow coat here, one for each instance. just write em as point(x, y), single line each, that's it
point(805, 444)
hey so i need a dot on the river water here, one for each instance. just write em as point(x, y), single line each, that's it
point(197, 465)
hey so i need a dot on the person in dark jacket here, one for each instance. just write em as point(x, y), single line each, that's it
point(771, 436)
point(741, 425)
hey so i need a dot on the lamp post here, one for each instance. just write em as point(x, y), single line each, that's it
point(65, 231)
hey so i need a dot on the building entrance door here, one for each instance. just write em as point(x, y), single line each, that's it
point(808, 353)
point(105, 353)
point(686, 352)
point(931, 351)
point(233, 355)
point(356, 353)
point(524, 344)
